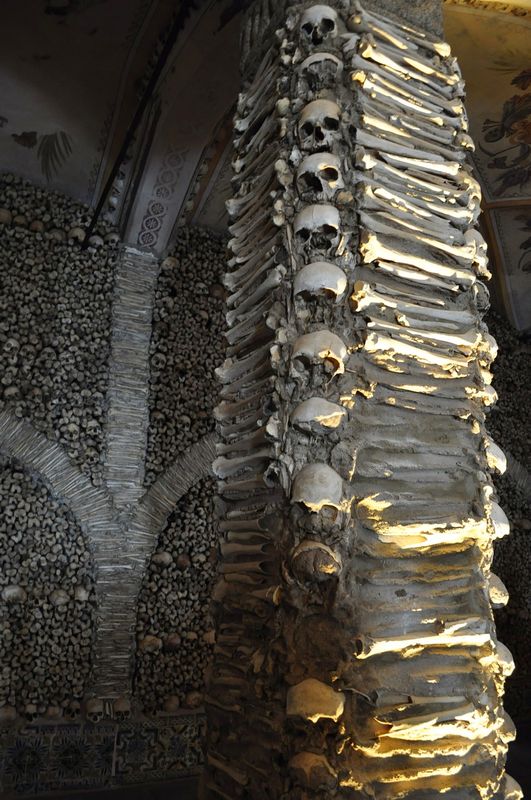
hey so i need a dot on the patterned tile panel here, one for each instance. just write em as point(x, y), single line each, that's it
point(36, 759)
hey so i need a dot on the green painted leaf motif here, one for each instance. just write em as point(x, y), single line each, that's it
point(53, 150)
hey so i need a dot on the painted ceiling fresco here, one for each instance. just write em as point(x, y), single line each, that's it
point(70, 84)
point(67, 77)
point(494, 50)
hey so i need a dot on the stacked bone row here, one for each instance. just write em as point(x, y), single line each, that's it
point(356, 647)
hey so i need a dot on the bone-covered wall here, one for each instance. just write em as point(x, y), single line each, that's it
point(356, 649)
point(79, 327)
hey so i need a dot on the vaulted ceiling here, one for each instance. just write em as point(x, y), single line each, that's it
point(73, 71)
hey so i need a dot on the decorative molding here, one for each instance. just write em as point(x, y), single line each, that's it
point(492, 5)
point(165, 186)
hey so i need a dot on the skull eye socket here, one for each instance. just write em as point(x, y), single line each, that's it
point(304, 234)
point(307, 128)
point(307, 28)
point(330, 174)
point(311, 181)
point(329, 231)
point(329, 513)
point(331, 123)
point(327, 25)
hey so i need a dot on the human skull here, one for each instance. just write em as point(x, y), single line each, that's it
point(321, 346)
point(8, 714)
point(320, 278)
point(94, 709)
point(319, 23)
point(314, 561)
point(81, 594)
point(77, 234)
point(319, 125)
point(122, 708)
point(321, 70)
point(317, 227)
point(171, 704)
point(30, 712)
point(318, 486)
point(11, 346)
point(59, 598)
point(320, 176)
point(73, 710)
point(13, 594)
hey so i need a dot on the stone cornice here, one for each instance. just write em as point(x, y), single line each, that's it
point(493, 5)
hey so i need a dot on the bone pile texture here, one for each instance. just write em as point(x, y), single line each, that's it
point(356, 651)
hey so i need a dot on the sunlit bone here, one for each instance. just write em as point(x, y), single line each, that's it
point(363, 20)
point(429, 110)
point(318, 125)
point(466, 632)
point(320, 174)
point(313, 700)
point(434, 387)
point(465, 721)
point(413, 66)
point(321, 278)
point(374, 247)
point(379, 143)
point(498, 594)
point(495, 456)
point(382, 217)
point(396, 196)
point(463, 254)
point(363, 68)
point(379, 89)
point(500, 523)
point(465, 342)
point(367, 297)
point(321, 346)
point(318, 415)
point(319, 23)
point(389, 133)
point(428, 188)
point(511, 789)
point(317, 486)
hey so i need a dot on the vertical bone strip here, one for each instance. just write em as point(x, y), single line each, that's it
point(356, 650)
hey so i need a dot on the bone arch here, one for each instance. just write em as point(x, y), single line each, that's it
point(124, 547)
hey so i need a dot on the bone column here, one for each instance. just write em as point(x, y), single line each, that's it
point(356, 651)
